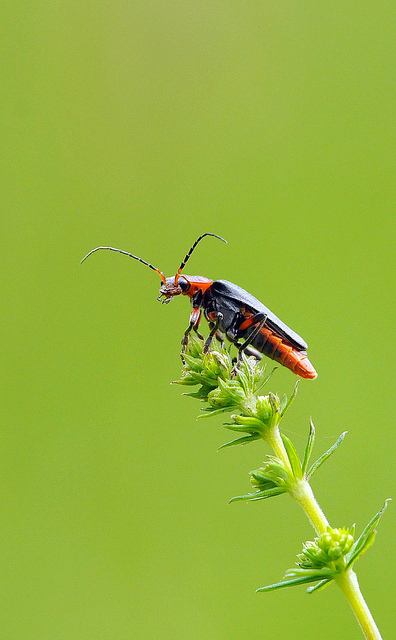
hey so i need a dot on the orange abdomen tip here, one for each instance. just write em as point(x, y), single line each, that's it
point(274, 347)
point(305, 369)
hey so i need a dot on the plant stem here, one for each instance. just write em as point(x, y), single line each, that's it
point(347, 580)
point(274, 439)
point(301, 492)
point(348, 583)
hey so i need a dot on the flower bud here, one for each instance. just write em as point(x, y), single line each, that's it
point(263, 409)
point(329, 548)
point(218, 399)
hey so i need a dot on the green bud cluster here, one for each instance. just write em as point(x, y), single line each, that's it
point(228, 394)
point(273, 471)
point(272, 479)
point(328, 550)
point(332, 553)
point(202, 369)
point(226, 386)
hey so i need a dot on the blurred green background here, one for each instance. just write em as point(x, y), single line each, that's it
point(141, 125)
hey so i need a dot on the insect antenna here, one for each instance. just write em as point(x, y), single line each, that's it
point(183, 264)
point(126, 253)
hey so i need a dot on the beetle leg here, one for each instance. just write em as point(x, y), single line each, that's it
point(249, 350)
point(214, 327)
point(196, 325)
point(195, 317)
point(259, 318)
point(220, 338)
point(199, 334)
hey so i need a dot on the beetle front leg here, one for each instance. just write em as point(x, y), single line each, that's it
point(196, 325)
point(215, 326)
point(195, 317)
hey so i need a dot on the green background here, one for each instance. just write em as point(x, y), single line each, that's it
point(141, 125)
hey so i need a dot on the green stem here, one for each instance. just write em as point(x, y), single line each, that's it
point(274, 439)
point(303, 494)
point(301, 491)
point(348, 583)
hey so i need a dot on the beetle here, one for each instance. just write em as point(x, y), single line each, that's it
point(233, 313)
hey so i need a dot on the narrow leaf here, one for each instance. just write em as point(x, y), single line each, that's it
point(244, 440)
point(241, 428)
point(244, 381)
point(321, 585)
point(274, 402)
point(269, 493)
point(260, 495)
point(185, 382)
point(214, 412)
point(264, 486)
point(324, 573)
point(193, 363)
point(239, 419)
point(293, 457)
point(290, 583)
point(357, 553)
point(326, 455)
point(201, 394)
point(260, 476)
point(309, 447)
point(285, 405)
point(265, 380)
point(361, 544)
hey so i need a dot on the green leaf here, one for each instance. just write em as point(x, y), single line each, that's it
point(193, 363)
point(309, 447)
point(265, 380)
point(325, 456)
point(259, 475)
point(362, 549)
point(272, 470)
point(244, 381)
point(241, 428)
point(293, 457)
point(209, 411)
point(244, 440)
point(285, 404)
point(260, 495)
point(248, 420)
point(270, 493)
point(231, 389)
point(201, 394)
point(274, 402)
point(321, 585)
point(291, 583)
point(366, 538)
point(265, 484)
point(192, 378)
point(185, 382)
point(324, 573)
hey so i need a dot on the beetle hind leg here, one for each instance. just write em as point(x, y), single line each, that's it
point(256, 323)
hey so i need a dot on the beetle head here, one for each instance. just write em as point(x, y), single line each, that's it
point(172, 287)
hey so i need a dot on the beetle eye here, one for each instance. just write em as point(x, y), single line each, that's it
point(184, 285)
